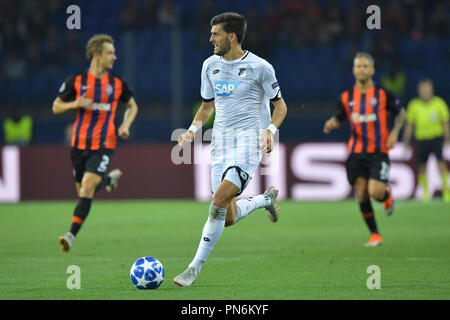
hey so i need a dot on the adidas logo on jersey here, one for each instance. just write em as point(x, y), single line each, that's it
point(225, 88)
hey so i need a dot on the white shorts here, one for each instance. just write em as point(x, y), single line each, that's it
point(234, 157)
point(239, 175)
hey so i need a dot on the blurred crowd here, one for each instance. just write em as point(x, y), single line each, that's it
point(31, 37)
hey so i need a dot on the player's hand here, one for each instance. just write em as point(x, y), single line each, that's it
point(392, 140)
point(83, 102)
point(267, 142)
point(124, 131)
point(188, 136)
point(330, 125)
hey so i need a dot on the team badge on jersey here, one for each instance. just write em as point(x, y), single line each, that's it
point(242, 72)
point(373, 101)
point(108, 89)
point(225, 88)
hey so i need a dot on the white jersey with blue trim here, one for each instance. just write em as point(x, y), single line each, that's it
point(241, 90)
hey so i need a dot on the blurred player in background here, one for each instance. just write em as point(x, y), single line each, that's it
point(239, 86)
point(94, 94)
point(428, 115)
point(366, 106)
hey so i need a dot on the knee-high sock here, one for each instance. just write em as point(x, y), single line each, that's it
point(368, 215)
point(80, 214)
point(105, 181)
point(385, 196)
point(248, 205)
point(211, 233)
point(444, 177)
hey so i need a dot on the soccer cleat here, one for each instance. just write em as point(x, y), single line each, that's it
point(186, 278)
point(388, 204)
point(272, 209)
point(375, 240)
point(114, 175)
point(66, 241)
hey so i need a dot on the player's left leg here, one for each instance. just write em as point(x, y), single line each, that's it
point(243, 207)
point(381, 192)
point(378, 179)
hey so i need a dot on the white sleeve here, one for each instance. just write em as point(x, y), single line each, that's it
point(206, 88)
point(269, 82)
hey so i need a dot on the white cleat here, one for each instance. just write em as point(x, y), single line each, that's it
point(114, 175)
point(186, 278)
point(66, 241)
point(272, 209)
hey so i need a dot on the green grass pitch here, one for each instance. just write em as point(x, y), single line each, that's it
point(315, 251)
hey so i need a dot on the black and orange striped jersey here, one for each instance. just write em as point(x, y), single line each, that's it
point(94, 128)
point(367, 114)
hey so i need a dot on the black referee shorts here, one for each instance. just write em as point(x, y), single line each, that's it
point(427, 147)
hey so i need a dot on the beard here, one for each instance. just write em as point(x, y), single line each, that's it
point(224, 50)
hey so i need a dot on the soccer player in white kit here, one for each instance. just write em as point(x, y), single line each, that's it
point(240, 86)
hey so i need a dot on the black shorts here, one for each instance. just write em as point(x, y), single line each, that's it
point(426, 147)
point(95, 161)
point(368, 165)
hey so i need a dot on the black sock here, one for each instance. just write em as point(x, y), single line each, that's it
point(80, 214)
point(105, 181)
point(386, 195)
point(368, 215)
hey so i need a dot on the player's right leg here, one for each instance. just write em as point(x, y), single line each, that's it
point(87, 190)
point(89, 167)
point(211, 233)
point(361, 188)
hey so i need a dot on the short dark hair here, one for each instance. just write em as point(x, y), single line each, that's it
point(232, 22)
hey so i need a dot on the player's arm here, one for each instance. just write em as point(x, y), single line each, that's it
point(332, 124)
point(128, 118)
point(67, 100)
point(407, 133)
point(398, 124)
point(203, 114)
point(393, 105)
point(60, 106)
point(336, 120)
point(446, 132)
point(445, 124)
point(279, 113)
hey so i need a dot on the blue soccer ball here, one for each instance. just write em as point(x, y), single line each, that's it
point(147, 273)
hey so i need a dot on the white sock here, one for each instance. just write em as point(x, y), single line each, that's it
point(248, 205)
point(211, 233)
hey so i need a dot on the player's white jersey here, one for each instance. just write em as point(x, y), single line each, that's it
point(242, 90)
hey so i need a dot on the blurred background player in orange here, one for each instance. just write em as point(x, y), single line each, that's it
point(94, 94)
point(366, 106)
point(428, 116)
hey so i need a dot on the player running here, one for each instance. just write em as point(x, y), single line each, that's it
point(239, 85)
point(94, 94)
point(366, 106)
